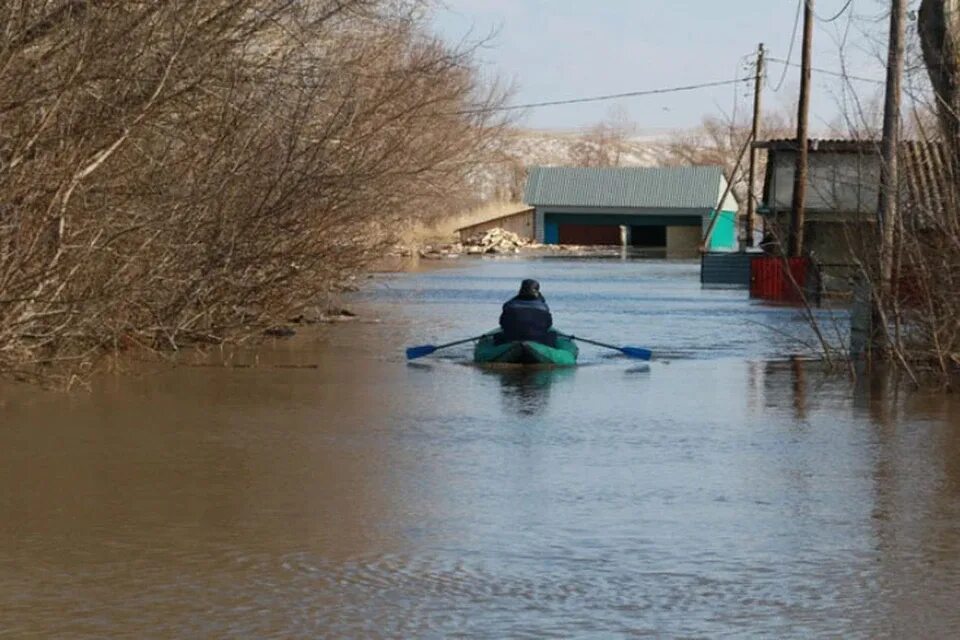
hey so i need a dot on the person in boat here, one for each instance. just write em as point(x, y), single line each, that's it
point(526, 316)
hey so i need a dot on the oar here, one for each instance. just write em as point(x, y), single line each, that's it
point(634, 352)
point(426, 349)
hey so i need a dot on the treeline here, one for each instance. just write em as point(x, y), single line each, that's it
point(194, 170)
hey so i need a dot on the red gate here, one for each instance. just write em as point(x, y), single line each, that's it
point(771, 280)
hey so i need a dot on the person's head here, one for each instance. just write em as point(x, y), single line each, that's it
point(530, 290)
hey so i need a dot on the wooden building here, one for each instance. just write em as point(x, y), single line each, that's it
point(519, 222)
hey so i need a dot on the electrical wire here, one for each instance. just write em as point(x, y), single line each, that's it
point(612, 96)
point(837, 15)
point(793, 40)
point(787, 63)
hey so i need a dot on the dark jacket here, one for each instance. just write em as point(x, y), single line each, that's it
point(526, 319)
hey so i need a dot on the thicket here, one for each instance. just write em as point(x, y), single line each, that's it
point(196, 170)
point(909, 296)
point(917, 310)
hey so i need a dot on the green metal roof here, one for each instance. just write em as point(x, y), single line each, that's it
point(633, 187)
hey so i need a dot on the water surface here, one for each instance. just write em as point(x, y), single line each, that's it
point(720, 490)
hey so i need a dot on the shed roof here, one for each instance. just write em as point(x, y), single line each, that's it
point(631, 187)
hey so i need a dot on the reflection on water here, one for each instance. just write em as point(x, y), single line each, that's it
point(733, 492)
point(637, 369)
point(526, 390)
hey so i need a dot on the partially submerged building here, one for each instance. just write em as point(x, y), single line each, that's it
point(667, 208)
point(843, 188)
point(842, 195)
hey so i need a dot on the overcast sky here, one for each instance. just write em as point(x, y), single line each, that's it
point(558, 49)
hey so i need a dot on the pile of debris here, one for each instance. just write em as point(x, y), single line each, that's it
point(440, 251)
point(495, 241)
point(492, 241)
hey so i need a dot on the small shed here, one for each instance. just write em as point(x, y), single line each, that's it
point(842, 195)
point(843, 188)
point(843, 180)
point(669, 208)
point(519, 222)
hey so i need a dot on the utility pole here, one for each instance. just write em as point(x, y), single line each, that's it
point(889, 170)
point(757, 90)
point(797, 213)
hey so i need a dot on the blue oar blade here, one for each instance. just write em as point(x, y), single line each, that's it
point(637, 352)
point(418, 352)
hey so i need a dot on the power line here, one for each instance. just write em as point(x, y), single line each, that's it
point(787, 63)
point(793, 40)
point(612, 96)
point(837, 15)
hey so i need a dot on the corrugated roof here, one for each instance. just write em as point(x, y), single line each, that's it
point(929, 174)
point(633, 187)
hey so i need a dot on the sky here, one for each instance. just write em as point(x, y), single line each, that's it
point(559, 49)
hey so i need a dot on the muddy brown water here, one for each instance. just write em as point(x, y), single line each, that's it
point(722, 490)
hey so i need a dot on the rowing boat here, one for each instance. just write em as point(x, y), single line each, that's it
point(526, 352)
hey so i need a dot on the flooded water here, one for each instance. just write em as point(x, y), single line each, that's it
point(722, 490)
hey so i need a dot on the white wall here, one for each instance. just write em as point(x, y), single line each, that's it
point(730, 202)
point(845, 182)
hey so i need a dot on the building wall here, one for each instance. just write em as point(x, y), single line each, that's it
point(846, 182)
point(521, 223)
point(723, 238)
point(730, 202)
point(683, 242)
point(828, 242)
point(726, 231)
point(615, 215)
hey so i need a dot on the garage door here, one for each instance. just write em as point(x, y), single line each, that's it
point(648, 236)
point(589, 234)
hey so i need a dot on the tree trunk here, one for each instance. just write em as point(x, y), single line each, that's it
point(939, 27)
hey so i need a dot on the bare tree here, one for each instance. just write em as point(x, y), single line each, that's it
point(719, 143)
point(606, 143)
point(196, 170)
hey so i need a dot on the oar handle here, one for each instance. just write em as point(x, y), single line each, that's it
point(633, 352)
point(456, 342)
point(426, 349)
point(593, 342)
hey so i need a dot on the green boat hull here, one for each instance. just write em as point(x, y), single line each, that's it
point(525, 352)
